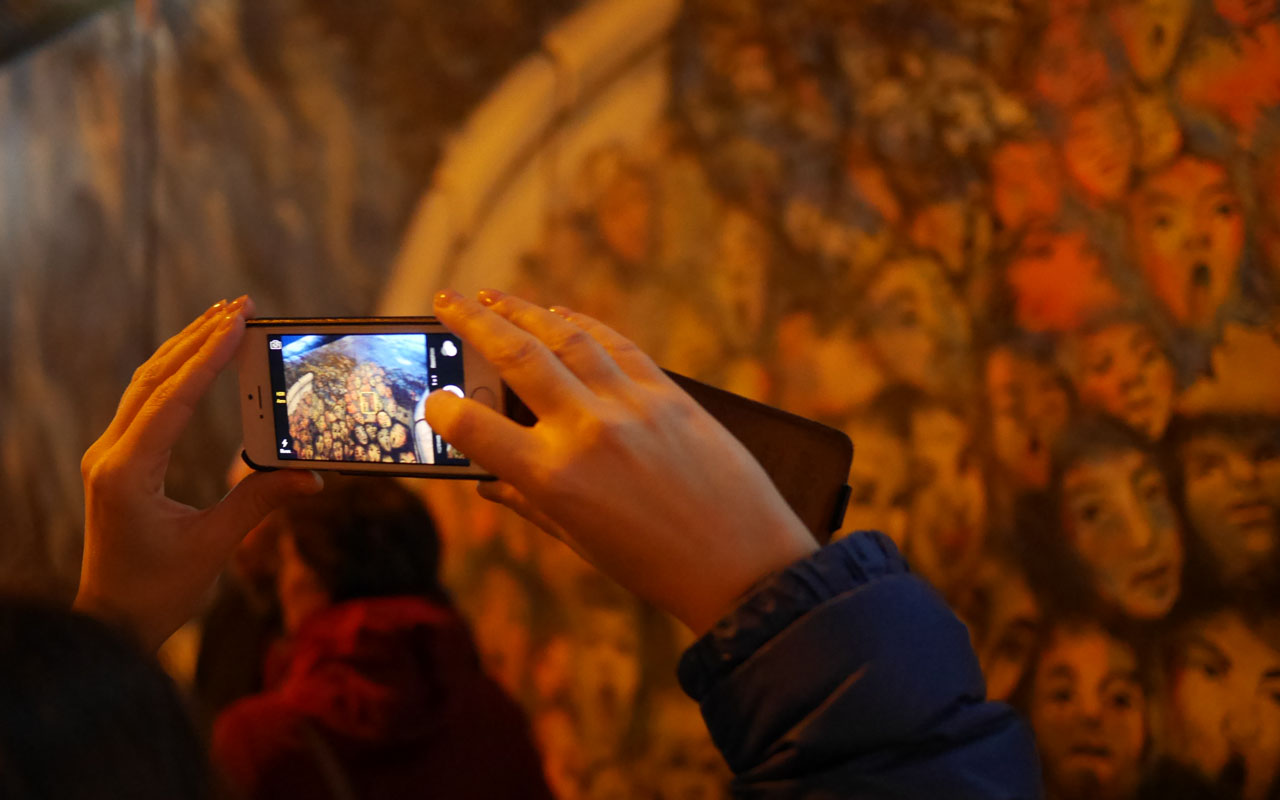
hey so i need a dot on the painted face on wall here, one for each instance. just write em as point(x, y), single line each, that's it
point(1123, 371)
point(1227, 502)
point(958, 232)
point(1088, 711)
point(685, 762)
point(739, 281)
point(502, 628)
point(1100, 148)
point(625, 216)
point(1151, 31)
point(1003, 616)
point(1245, 13)
point(879, 481)
point(1159, 135)
point(1026, 185)
point(1225, 703)
point(1070, 66)
point(1120, 521)
point(608, 674)
point(947, 523)
point(1188, 231)
point(1058, 282)
point(1029, 407)
point(916, 324)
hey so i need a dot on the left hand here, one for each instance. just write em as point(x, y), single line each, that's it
point(149, 560)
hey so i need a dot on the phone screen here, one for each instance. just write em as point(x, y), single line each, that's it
point(359, 397)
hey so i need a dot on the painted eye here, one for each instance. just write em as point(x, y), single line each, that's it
point(1163, 222)
point(1225, 210)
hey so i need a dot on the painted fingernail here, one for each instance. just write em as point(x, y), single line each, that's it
point(446, 298)
point(237, 304)
point(489, 296)
point(561, 311)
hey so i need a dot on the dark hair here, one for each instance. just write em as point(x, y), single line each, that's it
point(367, 537)
point(88, 715)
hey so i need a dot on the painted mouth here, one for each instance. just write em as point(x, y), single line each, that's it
point(1251, 513)
point(1155, 581)
point(1201, 275)
point(1157, 37)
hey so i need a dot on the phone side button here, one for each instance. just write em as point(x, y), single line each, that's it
point(485, 395)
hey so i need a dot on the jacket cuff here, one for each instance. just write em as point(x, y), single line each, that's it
point(781, 599)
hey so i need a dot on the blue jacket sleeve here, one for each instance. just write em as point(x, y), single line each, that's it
point(845, 676)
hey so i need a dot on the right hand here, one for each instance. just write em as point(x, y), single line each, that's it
point(622, 465)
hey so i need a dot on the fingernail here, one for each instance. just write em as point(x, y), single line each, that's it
point(446, 298)
point(237, 304)
point(561, 311)
point(489, 296)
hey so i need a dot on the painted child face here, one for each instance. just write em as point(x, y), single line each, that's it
point(1028, 407)
point(1003, 617)
point(1026, 184)
point(1225, 702)
point(685, 761)
point(740, 279)
point(1189, 235)
point(1245, 13)
point(608, 673)
point(1124, 372)
point(1227, 502)
point(1159, 136)
point(1151, 31)
point(624, 214)
point(1119, 519)
point(916, 322)
point(1070, 67)
point(502, 631)
point(1088, 711)
point(879, 479)
point(1100, 149)
point(948, 516)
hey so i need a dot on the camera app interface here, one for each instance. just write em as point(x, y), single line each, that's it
point(360, 397)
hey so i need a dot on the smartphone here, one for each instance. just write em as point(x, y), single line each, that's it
point(349, 394)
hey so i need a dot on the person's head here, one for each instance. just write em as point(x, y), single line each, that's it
point(1223, 461)
point(1120, 368)
point(1087, 705)
point(1115, 514)
point(87, 715)
point(358, 537)
point(1028, 403)
point(1188, 233)
point(1224, 699)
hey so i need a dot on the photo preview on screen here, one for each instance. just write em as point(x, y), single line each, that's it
point(361, 397)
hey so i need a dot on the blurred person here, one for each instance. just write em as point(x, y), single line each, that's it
point(1224, 700)
point(1224, 460)
point(1188, 234)
point(1112, 516)
point(379, 686)
point(1088, 708)
point(1121, 368)
point(88, 716)
point(651, 522)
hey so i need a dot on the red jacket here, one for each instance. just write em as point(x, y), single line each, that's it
point(380, 698)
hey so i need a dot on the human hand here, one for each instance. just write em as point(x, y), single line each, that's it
point(149, 560)
point(622, 465)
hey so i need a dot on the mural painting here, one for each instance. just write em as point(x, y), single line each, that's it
point(1025, 254)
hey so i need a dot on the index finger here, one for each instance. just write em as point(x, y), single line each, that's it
point(532, 371)
point(165, 414)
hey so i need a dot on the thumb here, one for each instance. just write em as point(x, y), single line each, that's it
point(258, 495)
